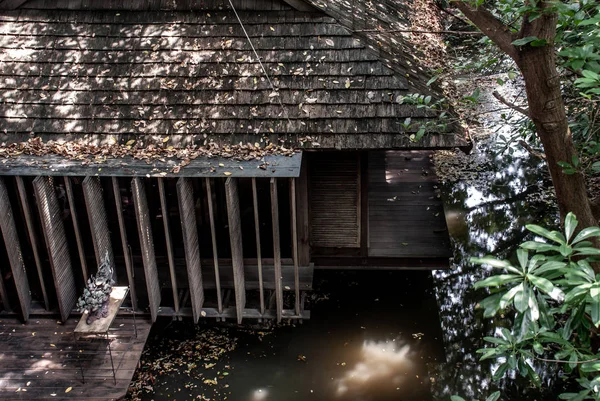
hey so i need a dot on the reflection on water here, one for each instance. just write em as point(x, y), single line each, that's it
point(384, 365)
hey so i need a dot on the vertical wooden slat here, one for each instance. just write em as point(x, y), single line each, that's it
point(258, 250)
point(211, 218)
point(75, 221)
point(363, 204)
point(124, 242)
point(303, 215)
point(276, 248)
point(94, 202)
point(32, 238)
point(235, 238)
point(56, 242)
point(147, 245)
point(295, 245)
point(4, 295)
point(13, 249)
point(170, 257)
point(189, 228)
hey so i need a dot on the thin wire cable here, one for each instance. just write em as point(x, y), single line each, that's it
point(260, 62)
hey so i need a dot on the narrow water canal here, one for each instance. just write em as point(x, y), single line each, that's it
point(373, 335)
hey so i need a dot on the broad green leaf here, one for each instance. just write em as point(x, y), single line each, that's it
point(494, 396)
point(548, 267)
point(456, 398)
point(546, 319)
point(547, 287)
point(488, 353)
point(565, 250)
point(499, 373)
point(538, 348)
point(510, 294)
point(551, 235)
point(588, 251)
point(539, 246)
point(533, 376)
point(590, 367)
point(522, 299)
point(570, 224)
point(587, 233)
point(525, 40)
point(495, 281)
point(577, 292)
point(586, 268)
point(496, 340)
point(573, 360)
point(534, 310)
point(595, 312)
point(497, 263)
point(523, 257)
point(574, 396)
point(491, 305)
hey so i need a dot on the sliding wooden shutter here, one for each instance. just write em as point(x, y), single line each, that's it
point(94, 202)
point(335, 200)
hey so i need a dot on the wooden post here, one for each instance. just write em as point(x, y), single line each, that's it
point(213, 234)
point(32, 238)
point(170, 257)
point(295, 245)
point(258, 250)
point(13, 249)
point(56, 242)
point(363, 202)
point(276, 249)
point(124, 242)
point(4, 295)
point(147, 245)
point(71, 198)
point(235, 238)
point(302, 215)
point(189, 228)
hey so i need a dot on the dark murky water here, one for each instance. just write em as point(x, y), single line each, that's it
point(384, 336)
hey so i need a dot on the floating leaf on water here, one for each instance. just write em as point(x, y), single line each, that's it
point(68, 389)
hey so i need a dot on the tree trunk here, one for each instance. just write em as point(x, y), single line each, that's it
point(547, 110)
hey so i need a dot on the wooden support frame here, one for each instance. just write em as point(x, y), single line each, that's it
point(258, 246)
point(32, 237)
point(13, 249)
point(302, 215)
point(189, 228)
point(56, 242)
point(295, 244)
point(124, 242)
point(276, 248)
point(147, 244)
point(211, 218)
point(93, 195)
point(4, 295)
point(235, 238)
point(170, 257)
point(363, 204)
point(74, 219)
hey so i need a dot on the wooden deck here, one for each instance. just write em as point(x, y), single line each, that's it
point(41, 360)
point(406, 215)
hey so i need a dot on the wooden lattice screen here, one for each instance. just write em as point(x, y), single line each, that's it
point(185, 195)
point(56, 242)
point(147, 245)
point(13, 248)
point(94, 203)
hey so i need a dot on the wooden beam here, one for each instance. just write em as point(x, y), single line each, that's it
point(124, 242)
point(32, 238)
point(295, 244)
point(302, 215)
point(12, 4)
point(147, 245)
point(276, 248)
point(4, 295)
point(301, 5)
point(211, 218)
point(235, 238)
point(189, 228)
point(258, 247)
point(363, 202)
point(170, 257)
point(13, 249)
point(56, 242)
point(93, 195)
point(80, 249)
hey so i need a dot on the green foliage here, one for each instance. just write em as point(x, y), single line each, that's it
point(493, 397)
point(554, 293)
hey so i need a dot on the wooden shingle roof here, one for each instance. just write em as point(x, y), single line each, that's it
point(106, 76)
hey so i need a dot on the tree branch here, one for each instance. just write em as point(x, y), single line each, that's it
point(511, 105)
point(491, 26)
point(531, 150)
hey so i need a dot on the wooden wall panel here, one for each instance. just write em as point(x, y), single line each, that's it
point(56, 242)
point(235, 237)
point(13, 249)
point(164, 207)
point(276, 248)
point(94, 202)
point(75, 221)
point(187, 213)
point(147, 244)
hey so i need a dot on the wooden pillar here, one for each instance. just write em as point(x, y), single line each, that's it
point(147, 245)
point(170, 257)
point(295, 245)
point(80, 249)
point(235, 238)
point(258, 247)
point(94, 203)
point(302, 215)
point(213, 234)
point(124, 242)
point(13, 249)
point(4, 296)
point(32, 238)
point(276, 249)
point(56, 242)
point(189, 228)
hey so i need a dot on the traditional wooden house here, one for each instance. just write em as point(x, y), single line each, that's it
point(219, 151)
